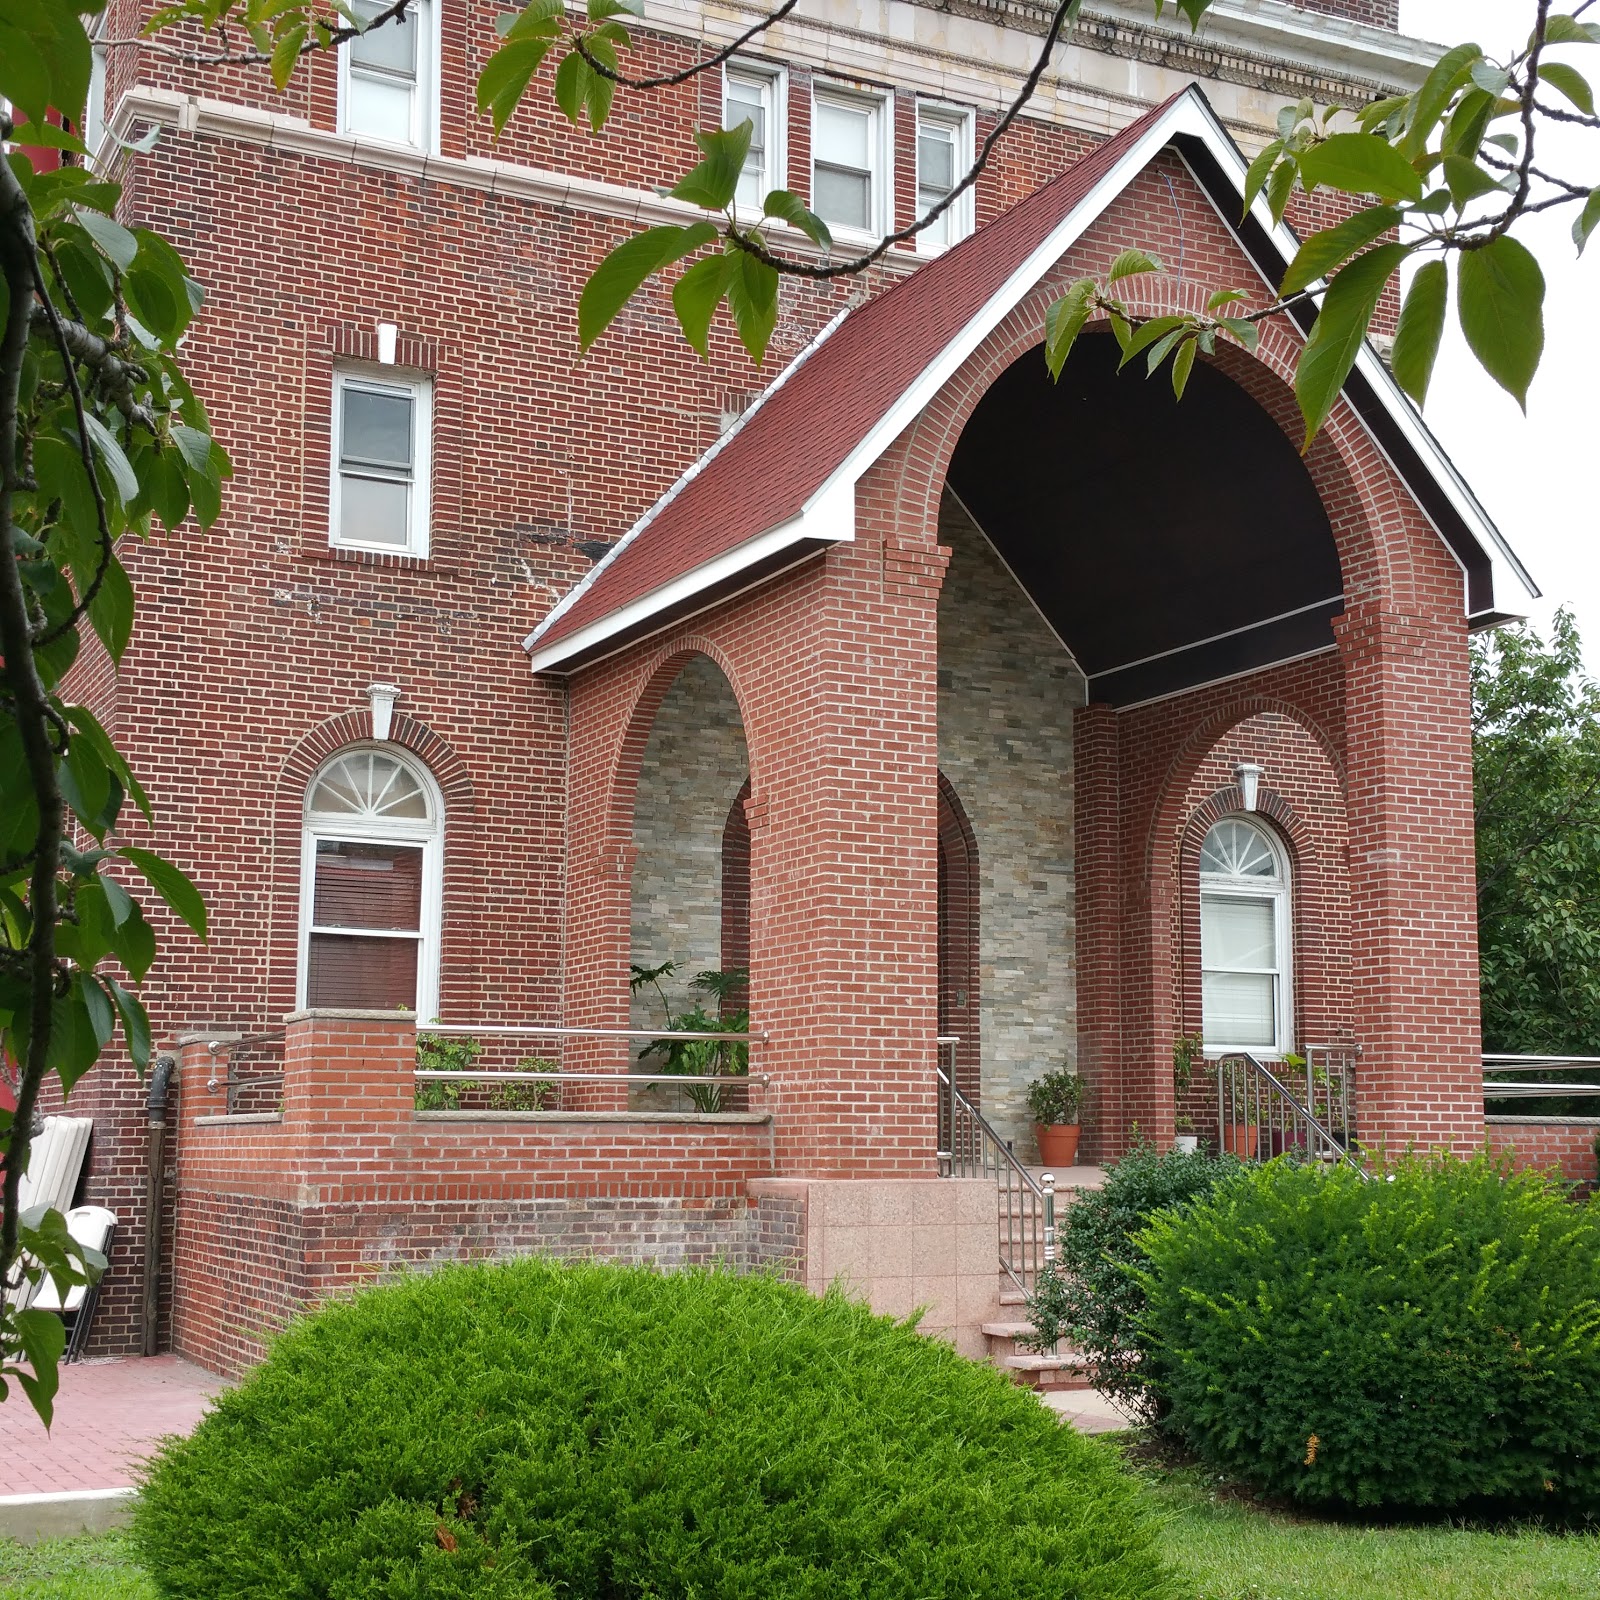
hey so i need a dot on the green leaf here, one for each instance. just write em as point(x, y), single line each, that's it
point(24, 73)
point(1438, 89)
point(1588, 220)
point(110, 452)
point(1280, 186)
point(133, 943)
point(619, 276)
point(1065, 320)
point(1340, 327)
point(1490, 78)
point(119, 903)
point(1225, 297)
point(193, 446)
point(506, 75)
point(43, 1337)
point(286, 55)
point(1467, 180)
point(789, 207)
point(1463, 133)
point(537, 17)
point(88, 725)
point(1255, 179)
point(1500, 303)
point(1243, 330)
point(1568, 30)
point(1182, 365)
point(1572, 84)
point(599, 10)
point(135, 1023)
point(1361, 163)
point(713, 183)
point(1131, 263)
point(19, 811)
point(171, 884)
point(696, 296)
point(1147, 334)
point(753, 300)
point(117, 242)
point(1416, 339)
point(97, 1007)
point(163, 485)
point(598, 89)
point(111, 610)
point(1332, 247)
point(85, 782)
point(572, 85)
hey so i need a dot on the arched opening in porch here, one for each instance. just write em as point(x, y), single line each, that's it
point(1109, 545)
point(691, 863)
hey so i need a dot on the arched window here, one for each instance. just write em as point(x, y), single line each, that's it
point(370, 885)
point(1245, 940)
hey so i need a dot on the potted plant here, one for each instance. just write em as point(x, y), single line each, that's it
point(1239, 1137)
point(1055, 1102)
point(1184, 1051)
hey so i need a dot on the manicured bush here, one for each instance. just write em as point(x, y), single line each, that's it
point(1091, 1297)
point(532, 1429)
point(1430, 1340)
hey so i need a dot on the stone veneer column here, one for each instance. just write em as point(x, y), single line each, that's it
point(1414, 969)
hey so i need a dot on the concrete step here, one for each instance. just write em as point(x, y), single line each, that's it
point(1048, 1372)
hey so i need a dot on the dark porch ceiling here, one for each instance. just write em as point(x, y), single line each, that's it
point(1169, 543)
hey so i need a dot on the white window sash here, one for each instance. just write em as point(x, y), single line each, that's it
point(772, 84)
point(1220, 888)
point(957, 221)
point(424, 86)
point(880, 157)
point(419, 480)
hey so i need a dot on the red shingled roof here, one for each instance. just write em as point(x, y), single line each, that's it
point(770, 467)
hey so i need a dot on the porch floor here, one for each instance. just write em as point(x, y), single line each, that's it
point(109, 1416)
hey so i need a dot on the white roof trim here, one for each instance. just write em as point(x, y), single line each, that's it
point(824, 515)
point(570, 598)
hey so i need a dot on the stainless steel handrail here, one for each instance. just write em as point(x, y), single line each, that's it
point(969, 1147)
point(1284, 1113)
point(1529, 1089)
point(484, 1074)
point(499, 1032)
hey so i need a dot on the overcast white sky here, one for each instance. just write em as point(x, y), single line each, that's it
point(1538, 477)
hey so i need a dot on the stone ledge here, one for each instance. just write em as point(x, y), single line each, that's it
point(28, 1518)
point(643, 1119)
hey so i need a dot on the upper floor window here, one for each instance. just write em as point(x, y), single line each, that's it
point(386, 77)
point(944, 153)
point(382, 429)
point(850, 160)
point(755, 95)
point(1244, 940)
point(370, 886)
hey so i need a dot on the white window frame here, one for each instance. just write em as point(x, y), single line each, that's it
point(419, 386)
point(427, 834)
point(425, 104)
point(774, 82)
point(1276, 889)
point(960, 216)
point(880, 153)
point(94, 109)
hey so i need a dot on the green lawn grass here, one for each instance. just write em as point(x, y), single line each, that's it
point(1229, 1549)
point(93, 1567)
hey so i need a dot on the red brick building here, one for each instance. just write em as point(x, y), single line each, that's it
point(1062, 719)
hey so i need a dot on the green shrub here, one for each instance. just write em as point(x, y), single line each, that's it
point(1090, 1296)
point(537, 1429)
point(1432, 1340)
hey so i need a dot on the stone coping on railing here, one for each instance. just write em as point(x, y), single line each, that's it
point(238, 1119)
point(1500, 1120)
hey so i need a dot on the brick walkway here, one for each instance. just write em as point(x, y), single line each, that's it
point(109, 1415)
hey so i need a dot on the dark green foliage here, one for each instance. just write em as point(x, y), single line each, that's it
point(1090, 1297)
point(1431, 1340)
point(595, 1430)
point(1536, 767)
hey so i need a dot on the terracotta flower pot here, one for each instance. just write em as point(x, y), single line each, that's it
point(1240, 1139)
point(1058, 1143)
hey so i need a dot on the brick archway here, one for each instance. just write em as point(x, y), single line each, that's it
point(960, 973)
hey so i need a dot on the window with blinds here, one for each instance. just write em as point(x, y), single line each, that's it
point(371, 892)
point(1244, 940)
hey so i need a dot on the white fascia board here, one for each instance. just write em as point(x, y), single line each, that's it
point(798, 530)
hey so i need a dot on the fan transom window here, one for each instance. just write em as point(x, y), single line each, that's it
point(1244, 940)
point(370, 886)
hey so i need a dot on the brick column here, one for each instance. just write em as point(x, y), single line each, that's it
point(844, 864)
point(1414, 969)
point(349, 1068)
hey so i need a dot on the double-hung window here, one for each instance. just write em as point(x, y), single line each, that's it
point(382, 450)
point(849, 160)
point(386, 76)
point(944, 153)
point(1244, 940)
point(370, 887)
point(755, 95)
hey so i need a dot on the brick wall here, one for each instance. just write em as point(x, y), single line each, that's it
point(1566, 1148)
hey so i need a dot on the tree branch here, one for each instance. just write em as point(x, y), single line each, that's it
point(667, 80)
point(227, 57)
point(114, 377)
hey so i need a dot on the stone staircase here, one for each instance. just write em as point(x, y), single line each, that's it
point(1068, 1368)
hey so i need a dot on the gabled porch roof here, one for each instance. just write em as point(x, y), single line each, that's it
point(780, 485)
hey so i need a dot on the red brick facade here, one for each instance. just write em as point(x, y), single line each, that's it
point(256, 644)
